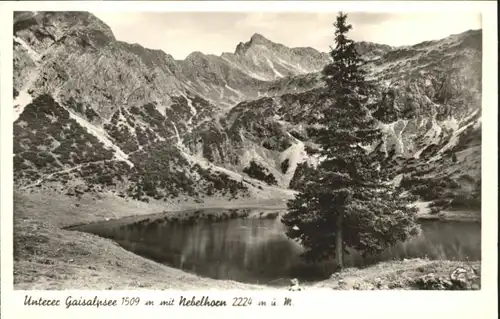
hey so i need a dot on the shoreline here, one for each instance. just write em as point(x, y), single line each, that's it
point(203, 213)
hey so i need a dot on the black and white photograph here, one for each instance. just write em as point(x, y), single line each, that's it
point(280, 151)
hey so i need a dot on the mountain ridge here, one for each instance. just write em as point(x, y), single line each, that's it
point(219, 131)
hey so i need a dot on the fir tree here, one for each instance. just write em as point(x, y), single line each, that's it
point(454, 157)
point(347, 201)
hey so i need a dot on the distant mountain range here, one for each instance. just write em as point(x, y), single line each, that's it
point(95, 114)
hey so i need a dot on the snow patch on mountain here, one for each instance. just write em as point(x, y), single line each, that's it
point(419, 152)
point(295, 155)
point(471, 116)
point(246, 70)
point(101, 135)
point(453, 140)
point(296, 67)
point(20, 102)
point(237, 92)
point(271, 65)
point(450, 124)
point(433, 134)
point(35, 56)
point(179, 140)
point(24, 98)
point(393, 135)
point(193, 110)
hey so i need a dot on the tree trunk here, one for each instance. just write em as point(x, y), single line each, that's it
point(339, 245)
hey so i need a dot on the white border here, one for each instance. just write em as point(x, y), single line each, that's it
point(479, 304)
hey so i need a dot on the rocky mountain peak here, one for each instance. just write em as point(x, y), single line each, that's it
point(266, 60)
point(258, 38)
point(59, 23)
point(255, 39)
point(372, 50)
point(196, 55)
point(38, 32)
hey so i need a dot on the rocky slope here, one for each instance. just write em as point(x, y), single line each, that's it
point(429, 106)
point(94, 113)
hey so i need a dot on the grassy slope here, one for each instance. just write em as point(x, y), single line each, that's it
point(48, 257)
point(396, 274)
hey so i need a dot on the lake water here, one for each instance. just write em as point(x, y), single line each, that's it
point(257, 251)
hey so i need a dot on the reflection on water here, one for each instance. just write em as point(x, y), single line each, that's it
point(251, 250)
point(257, 251)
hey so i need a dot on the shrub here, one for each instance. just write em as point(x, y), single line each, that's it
point(91, 114)
point(435, 282)
point(299, 176)
point(258, 172)
point(285, 165)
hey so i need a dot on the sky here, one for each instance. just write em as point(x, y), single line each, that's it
point(179, 34)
